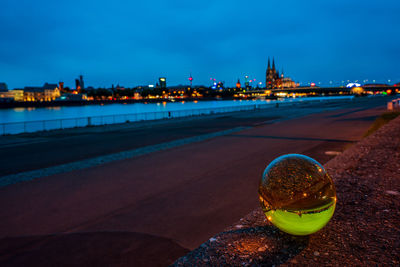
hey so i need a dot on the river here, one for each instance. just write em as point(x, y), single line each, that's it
point(68, 112)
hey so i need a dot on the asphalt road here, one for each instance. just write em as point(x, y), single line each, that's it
point(177, 197)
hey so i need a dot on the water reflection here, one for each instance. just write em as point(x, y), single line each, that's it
point(68, 112)
point(53, 108)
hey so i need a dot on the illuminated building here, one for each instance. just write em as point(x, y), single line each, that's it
point(246, 82)
point(272, 75)
point(61, 86)
point(351, 85)
point(274, 80)
point(238, 85)
point(5, 95)
point(162, 82)
point(191, 80)
point(48, 92)
point(77, 86)
point(286, 82)
point(357, 90)
point(18, 94)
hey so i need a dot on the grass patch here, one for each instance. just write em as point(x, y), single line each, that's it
point(382, 120)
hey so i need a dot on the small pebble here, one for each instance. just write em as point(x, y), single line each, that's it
point(261, 249)
point(316, 253)
point(391, 192)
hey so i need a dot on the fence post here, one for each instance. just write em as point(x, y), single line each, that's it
point(89, 121)
point(4, 129)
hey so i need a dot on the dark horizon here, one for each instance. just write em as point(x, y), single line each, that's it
point(136, 43)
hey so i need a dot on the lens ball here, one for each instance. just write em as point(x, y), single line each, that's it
point(297, 195)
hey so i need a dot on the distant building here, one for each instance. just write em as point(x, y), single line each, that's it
point(73, 97)
point(372, 85)
point(77, 86)
point(238, 85)
point(246, 82)
point(178, 89)
point(5, 95)
point(191, 80)
point(286, 82)
point(274, 80)
point(18, 94)
point(81, 83)
point(61, 86)
point(3, 87)
point(272, 75)
point(162, 81)
point(48, 92)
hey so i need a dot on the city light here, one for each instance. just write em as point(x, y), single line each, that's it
point(350, 85)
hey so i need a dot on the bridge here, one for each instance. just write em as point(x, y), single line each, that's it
point(325, 90)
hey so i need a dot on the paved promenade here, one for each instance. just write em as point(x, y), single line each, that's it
point(169, 199)
point(364, 230)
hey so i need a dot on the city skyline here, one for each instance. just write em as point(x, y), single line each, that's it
point(136, 43)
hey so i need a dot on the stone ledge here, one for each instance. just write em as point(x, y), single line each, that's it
point(363, 231)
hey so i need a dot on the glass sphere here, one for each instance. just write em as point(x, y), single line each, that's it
point(297, 195)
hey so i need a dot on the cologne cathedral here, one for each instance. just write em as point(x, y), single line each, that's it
point(274, 80)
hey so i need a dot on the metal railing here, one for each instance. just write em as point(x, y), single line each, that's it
point(46, 125)
point(393, 104)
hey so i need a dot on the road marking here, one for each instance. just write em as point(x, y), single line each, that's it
point(87, 163)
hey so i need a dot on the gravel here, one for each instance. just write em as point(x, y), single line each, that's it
point(365, 229)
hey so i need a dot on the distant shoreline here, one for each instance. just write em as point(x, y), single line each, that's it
point(7, 105)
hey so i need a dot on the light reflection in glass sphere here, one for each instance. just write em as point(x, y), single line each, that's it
point(297, 195)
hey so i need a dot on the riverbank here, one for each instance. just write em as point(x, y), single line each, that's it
point(27, 120)
point(70, 103)
point(364, 230)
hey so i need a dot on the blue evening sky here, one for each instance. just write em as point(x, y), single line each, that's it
point(135, 42)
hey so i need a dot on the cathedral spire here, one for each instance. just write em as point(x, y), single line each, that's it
point(273, 63)
point(269, 63)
